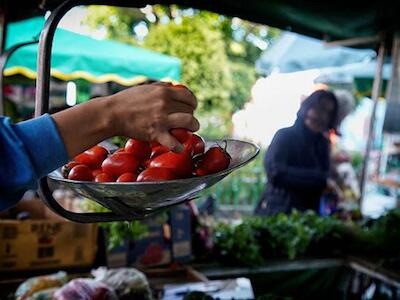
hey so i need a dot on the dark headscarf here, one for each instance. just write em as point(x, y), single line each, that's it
point(313, 99)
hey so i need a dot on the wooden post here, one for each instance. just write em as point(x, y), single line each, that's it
point(393, 89)
point(391, 123)
point(355, 41)
point(376, 90)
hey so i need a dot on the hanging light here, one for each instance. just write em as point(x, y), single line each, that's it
point(71, 93)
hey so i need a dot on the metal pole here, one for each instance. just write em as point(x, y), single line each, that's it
point(3, 35)
point(376, 89)
point(44, 55)
point(42, 107)
point(3, 61)
point(3, 25)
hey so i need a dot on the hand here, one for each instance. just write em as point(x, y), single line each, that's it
point(148, 112)
point(331, 185)
point(145, 112)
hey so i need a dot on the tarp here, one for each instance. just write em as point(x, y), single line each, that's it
point(321, 19)
point(338, 65)
point(294, 52)
point(77, 56)
point(363, 70)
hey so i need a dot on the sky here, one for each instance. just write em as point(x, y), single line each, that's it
point(72, 22)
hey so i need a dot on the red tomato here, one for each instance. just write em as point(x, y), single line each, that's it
point(138, 148)
point(84, 159)
point(98, 151)
point(92, 157)
point(157, 151)
point(154, 144)
point(181, 134)
point(104, 177)
point(81, 173)
point(146, 163)
point(119, 163)
point(194, 145)
point(215, 160)
point(127, 177)
point(156, 174)
point(179, 163)
point(180, 86)
point(120, 150)
point(97, 172)
point(67, 168)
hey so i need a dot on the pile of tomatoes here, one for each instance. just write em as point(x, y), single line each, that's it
point(141, 161)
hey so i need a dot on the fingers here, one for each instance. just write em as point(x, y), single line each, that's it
point(185, 96)
point(180, 107)
point(182, 120)
point(166, 139)
point(180, 93)
point(176, 120)
point(158, 108)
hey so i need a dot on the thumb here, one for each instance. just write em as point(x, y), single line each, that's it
point(166, 139)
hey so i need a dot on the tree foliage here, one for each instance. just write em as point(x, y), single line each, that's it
point(217, 52)
point(244, 76)
point(205, 65)
point(118, 23)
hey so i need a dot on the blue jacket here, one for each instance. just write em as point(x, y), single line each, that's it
point(29, 150)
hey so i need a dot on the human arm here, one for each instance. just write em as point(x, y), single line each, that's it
point(29, 150)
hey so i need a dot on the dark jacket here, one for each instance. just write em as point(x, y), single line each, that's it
point(297, 167)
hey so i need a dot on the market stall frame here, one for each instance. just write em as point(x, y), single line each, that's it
point(45, 45)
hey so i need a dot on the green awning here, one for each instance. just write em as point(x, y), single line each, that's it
point(77, 56)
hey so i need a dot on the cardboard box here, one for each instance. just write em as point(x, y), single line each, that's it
point(152, 250)
point(165, 243)
point(45, 243)
point(181, 236)
point(118, 257)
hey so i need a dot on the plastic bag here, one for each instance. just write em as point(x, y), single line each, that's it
point(44, 295)
point(85, 289)
point(128, 283)
point(35, 284)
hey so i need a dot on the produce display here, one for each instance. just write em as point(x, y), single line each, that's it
point(85, 289)
point(128, 283)
point(299, 235)
point(33, 287)
point(107, 284)
point(204, 296)
point(141, 161)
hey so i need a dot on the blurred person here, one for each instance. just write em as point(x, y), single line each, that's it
point(298, 158)
point(346, 104)
point(339, 195)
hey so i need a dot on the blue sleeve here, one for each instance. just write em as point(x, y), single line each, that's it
point(29, 150)
point(281, 173)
